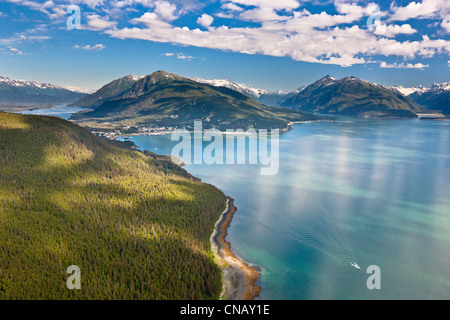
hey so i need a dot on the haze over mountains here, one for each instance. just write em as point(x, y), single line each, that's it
point(164, 99)
point(266, 97)
point(348, 96)
point(435, 98)
point(351, 96)
point(22, 91)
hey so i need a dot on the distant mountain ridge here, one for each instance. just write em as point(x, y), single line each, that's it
point(227, 83)
point(351, 96)
point(22, 91)
point(165, 99)
point(436, 98)
point(266, 97)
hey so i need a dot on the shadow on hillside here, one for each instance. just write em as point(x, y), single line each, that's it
point(85, 207)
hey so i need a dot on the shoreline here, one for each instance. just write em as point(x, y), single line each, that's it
point(163, 133)
point(239, 278)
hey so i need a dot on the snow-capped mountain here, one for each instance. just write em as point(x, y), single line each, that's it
point(22, 91)
point(351, 96)
point(418, 90)
point(242, 88)
point(408, 91)
point(435, 98)
point(5, 81)
point(264, 96)
point(79, 90)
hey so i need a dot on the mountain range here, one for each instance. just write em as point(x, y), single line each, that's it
point(266, 97)
point(434, 98)
point(22, 91)
point(165, 99)
point(348, 96)
point(351, 96)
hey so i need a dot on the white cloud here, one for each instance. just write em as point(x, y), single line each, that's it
point(179, 55)
point(97, 47)
point(273, 4)
point(165, 10)
point(205, 20)
point(182, 56)
point(446, 24)
point(232, 7)
point(391, 31)
point(396, 65)
point(13, 50)
point(283, 28)
point(420, 10)
point(93, 3)
point(301, 35)
point(262, 15)
point(97, 23)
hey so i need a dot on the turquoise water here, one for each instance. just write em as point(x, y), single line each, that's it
point(373, 191)
point(62, 111)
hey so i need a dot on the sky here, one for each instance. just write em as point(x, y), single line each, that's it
point(269, 44)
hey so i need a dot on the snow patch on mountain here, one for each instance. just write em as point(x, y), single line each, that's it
point(5, 81)
point(227, 83)
point(419, 90)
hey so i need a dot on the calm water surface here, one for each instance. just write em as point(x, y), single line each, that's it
point(373, 191)
point(62, 111)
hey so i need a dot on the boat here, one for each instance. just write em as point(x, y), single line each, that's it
point(354, 264)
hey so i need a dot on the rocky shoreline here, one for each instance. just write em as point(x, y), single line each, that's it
point(239, 277)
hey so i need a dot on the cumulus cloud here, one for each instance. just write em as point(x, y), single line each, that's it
point(303, 36)
point(182, 56)
point(179, 55)
point(13, 50)
point(446, 24)
point(419, 10)
point(232, 7)
point(165, 10)
point(205, 20)
point(391, 31)
point(97, 47)
point(402, 65)
point(278, 4)
point(98, 23)
point(281, 28)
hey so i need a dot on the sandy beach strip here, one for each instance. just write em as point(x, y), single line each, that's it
point(239, 278)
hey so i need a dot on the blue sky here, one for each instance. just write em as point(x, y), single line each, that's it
point(270, 44)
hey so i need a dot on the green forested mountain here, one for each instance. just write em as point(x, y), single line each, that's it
point(351, 96)
point(108, 91)
point(165, 99)
point(137, 225)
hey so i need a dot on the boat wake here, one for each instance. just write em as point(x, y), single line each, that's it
point(317, 228)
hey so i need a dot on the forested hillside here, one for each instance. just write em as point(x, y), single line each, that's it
point(137, 225)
